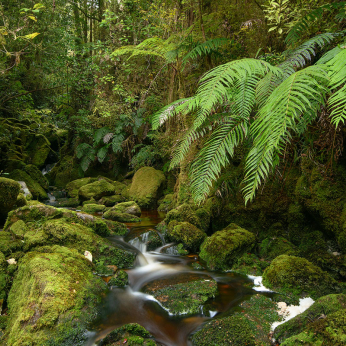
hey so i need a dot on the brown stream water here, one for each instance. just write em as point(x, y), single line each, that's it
point(131, 305)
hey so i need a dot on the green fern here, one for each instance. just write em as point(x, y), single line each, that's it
point(100, 134)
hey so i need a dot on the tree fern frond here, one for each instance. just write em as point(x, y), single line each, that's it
point(265, 87)
point(102, 153)
point(82, 149)
point(329, 55)
point(337, 102)
point(304, 23)
point(117, 142)
point(297, 95)
point(215, 155)
point(205, 48)
point(100, 134)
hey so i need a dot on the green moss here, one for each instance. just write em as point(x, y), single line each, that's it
point(35, 188)
point(250, 326)
point(147, 186)
point(297, 276)
point(18, 229)
point(73, 186)
point(68, 203)
point(53, 286)
point(222, 249)
point(120, 217)
point(120, 279)
point(37, 176)
point(187, 234)
point(96, 190)
point(9, 190)
point(116, 227)
point(3, 263)
point(130, 207)
point(183, 294)
point(166, 203)
point(8, 244)
point(110, 201)
point(40, 151)
point(65, 171)
point(273, 247)
point(21, 201)
point(323, 306)
point(249, 264)
point(93, 208)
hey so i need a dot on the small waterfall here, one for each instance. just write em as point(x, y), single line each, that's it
point(24, 188)
point(48, 168)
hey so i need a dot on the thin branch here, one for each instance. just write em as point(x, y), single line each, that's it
point(84, 12)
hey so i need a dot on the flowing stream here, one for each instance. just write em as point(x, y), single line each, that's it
point(132, 305)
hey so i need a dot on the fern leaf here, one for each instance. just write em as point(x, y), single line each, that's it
point(298, 95)
point(117, 142)
point(337, 102)
point(215, 155)
point(100, 134)
point(329, 55)
point(102, 153)
point(82, 149)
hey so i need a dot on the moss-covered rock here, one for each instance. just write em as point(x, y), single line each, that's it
point(147, 186)
point(120, 279)
point(120, 217)
point(130, 207)
point(21, 201)
point(275, 246)
point(150, 238)
point(322, 308)
point(37, 176)
point(166, 203)
point(96, 190)
point(9, 190)
point(250, 326)
point(111, 201)
point(187, 234)
point(39, 152)
point(9, 244)
point(116, 227)
point(183, 294)
point(53, 297)
point(93, 208)
point(250, 264)
point(65, 171)
point(188, 213)
point(297, 276)
point(18, 229)
point(67, 202)
point(222, 249)
point(73, 186)
point(34, 187)
point(130, 334)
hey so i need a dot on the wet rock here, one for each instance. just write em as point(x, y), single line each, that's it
point(9, 190)
point(110, 201)
point(88, 256)
point(183, 294)
point(309, 320)
point(53, 297)
point(187, 234)
point(37, 176)
point(128, 208)
point(24, 189)
point(73, 186)
point(96, 190)
point(93, 208)
point(147, 186)
point(150, 241)
point(11, 261)
point(120, 217)
point(297, 276)
point(221, 250)
point(250, 326)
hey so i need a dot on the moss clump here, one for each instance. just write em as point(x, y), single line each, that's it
point(183, 294)
point(21, 201)
point(18, 229)
point(67, 203)
point(222, 249)
point(273, 247)
point(96, 190)
point(116, 227)
point(120, 279)
point(37, 176)
point(64, 171)
point(131, 334)
point(166, 203)
point(9, 190)
point(128, 208)
point(53, 286)
point(187, 213)
point(250, 264)
point(322, 307)
point(120, 217)
point(250, 326)
point(147, 186)
point(110, 201)
point(9, 244)
point(73, 186)
point(187, 234)
point(298, 276)
point(40, 151)
point(35, 188)
point(93, 208)
point(3, 263)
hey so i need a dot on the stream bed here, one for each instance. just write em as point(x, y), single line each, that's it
point(154, 268)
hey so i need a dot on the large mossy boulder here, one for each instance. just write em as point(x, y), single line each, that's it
point(183, 294)
point(222, 249)
point(9, 190)
point(34, 187)
point(92, 208)
point(309, 320)
point(111, 201)
point(187, 234)
point(73, 186)
point(130, 207)
point(37, 176)
point(64, 171)
point(250, 326)
point(96, 190)
point(39, 150)
point(147, 186)
point(53, 298)
point(297, 276)
point(120, 217)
